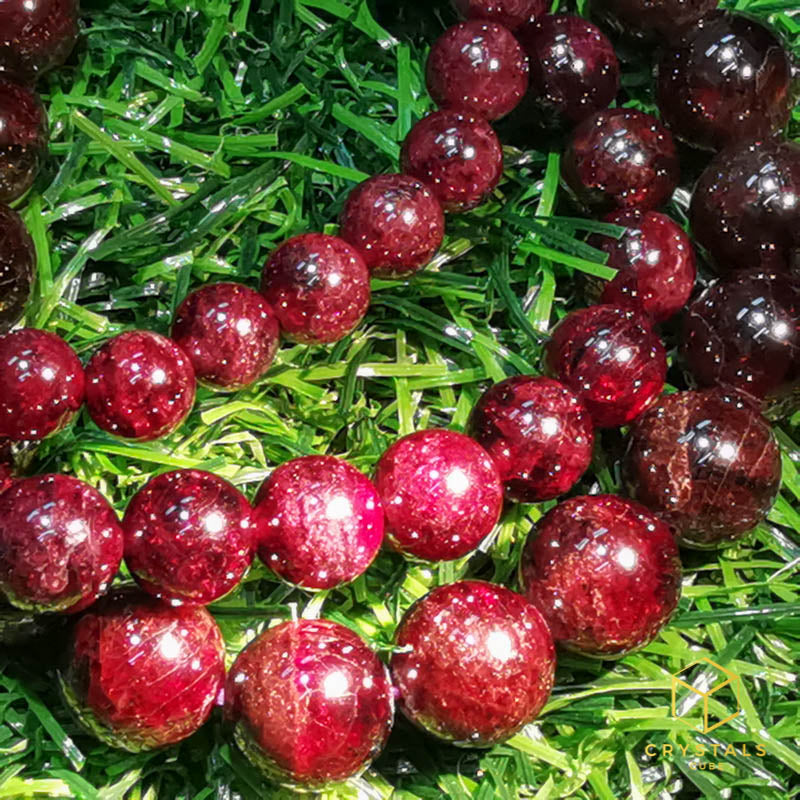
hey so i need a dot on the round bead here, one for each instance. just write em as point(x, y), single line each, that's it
point(441, 494)
point(310, 703)
point(139, 385)
point(604, 572)
point(510, 13)
point(229, 333)
point(652, 20)
point(611, 359)
point(707, 463)
point(7, 466)
point(474, 663)
point(188, 536)
point(41, 384)
point(17, 265)
point(457, 154)
point(143, 674)
point(60, 543)
point(318, 287)
point(319, 522)
point(728, 80)
point(395, 222)
point(539, 435)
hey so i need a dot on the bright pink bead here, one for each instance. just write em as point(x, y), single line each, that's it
point(17, 267)
point(510, 13)
point(538, 433)
point(604, 572)
point(139, 385)
point(441, 494)
point(652, 20)
point(310, 703)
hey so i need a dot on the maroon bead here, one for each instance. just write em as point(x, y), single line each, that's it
point(17, 266)
point(441, 494)
point(139, 385)
point(41, 384)
point(318, 287)
point(7, 466)
point(60, 543)
point(707, 463)
point(457, 154)
point(318, 521)
point(474, 663)
point(229, 332)
point(728, 80)
point(188, 536)
point(395, 222)
point(310, 703)
point(655, 21)
point(142, 673)
point(611, 359)
point(604, 572)
point(538, 433)
point(510, 13)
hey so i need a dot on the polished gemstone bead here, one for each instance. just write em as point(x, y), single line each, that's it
point(655, 21)
point(511, 13)
point(7, 466)
point(17, 266)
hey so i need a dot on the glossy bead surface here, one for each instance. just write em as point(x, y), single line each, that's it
point(474, 663)
point(318, 287)
point(188, 536)
point(441, 494)
point(652, 20)
point(395, 222)
point(605, 572)
point(539, 435)
point(17, 266)
point(457, 154)
point(60, 543)
point(707, 463)
point(310, 703)
point(319, 522)
point(139, 385)
point(41, 384)
point(510, 13)
point(611, 359)
point(7, 467)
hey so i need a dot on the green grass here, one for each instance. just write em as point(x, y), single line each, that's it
point(188, 138)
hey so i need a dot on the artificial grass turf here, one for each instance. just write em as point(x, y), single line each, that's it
point(188, 138)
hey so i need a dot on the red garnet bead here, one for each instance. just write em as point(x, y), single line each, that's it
point(318, 287)
point(474, 663)
point(17, 265)
point(707, 463)
point(7, 466)
point(60, 543)
point(728, 80)
point(188, 536)
point(511, 13)
point(457, 154)
point(652, 20)
point(41, 384)
point(621, 158)
point(310, 703)
point(229, 333)
point(441, 494)
point(395, 222)
point(604, 572)
point(318, 521)
point(611, 359)
point(539, 435)
point(144, 674)
point(139, 385)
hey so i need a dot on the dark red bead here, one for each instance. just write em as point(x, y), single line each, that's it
point(707, 463)
point(60, 543)
point(728, 80)
point(457, 154)
point(142, 673)
point(604, 572)
point(441, 494)
point(318, 521)
point(139, 385)
point(17, 267)
point(538, 433)
point(318, 287)
point(474, 663)
point(511, 13)
point(229, 332)
point(611, 359)
point(41, 384)
point(310, 703)
point(188, 536)
point(7, 466)
point(395, 222)
point(655, 21)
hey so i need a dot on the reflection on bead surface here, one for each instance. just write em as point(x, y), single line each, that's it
point(653, 20)
point(60, 543)
point(707, 463)
point(17, 263)
point(310, 703)
point(511, 13)
point(604, 572)
point(474, 663)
